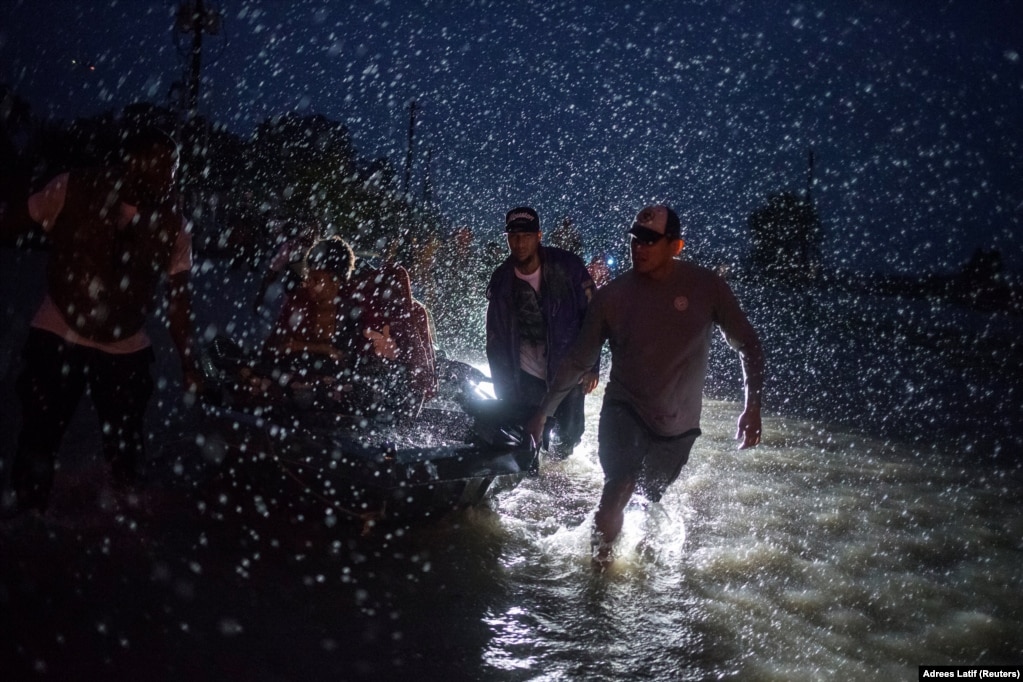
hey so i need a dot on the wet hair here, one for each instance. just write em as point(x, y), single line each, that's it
point(332, 254)
point(146, 140)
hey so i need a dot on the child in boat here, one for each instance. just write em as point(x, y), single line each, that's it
point(308, 333)
point(389, 335)
point(364, 335)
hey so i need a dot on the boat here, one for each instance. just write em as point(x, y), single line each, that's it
point(301, 444)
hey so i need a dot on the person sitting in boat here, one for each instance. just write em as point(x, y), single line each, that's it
point(389, 335)
point(308, 333)
point(286, 263)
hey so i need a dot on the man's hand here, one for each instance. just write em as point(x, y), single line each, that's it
point(383, 345)
point(194, 383)
point(589, 382)
point(194, 380)
point(534, 427)
point(749, 428)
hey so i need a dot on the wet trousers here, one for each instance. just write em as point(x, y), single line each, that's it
point(569, 419)
point(53, 377)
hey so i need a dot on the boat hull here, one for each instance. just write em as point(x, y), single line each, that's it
point(444, 459)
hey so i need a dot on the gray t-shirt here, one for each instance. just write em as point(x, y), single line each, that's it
point(659, 333)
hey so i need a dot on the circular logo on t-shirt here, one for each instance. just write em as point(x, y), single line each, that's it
point(681, 303)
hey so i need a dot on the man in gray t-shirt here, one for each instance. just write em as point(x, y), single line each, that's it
point(658, 318)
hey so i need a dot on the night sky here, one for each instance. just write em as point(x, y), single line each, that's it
point(914, 109)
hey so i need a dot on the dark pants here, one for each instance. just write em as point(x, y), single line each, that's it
point(53, 377)
point(569, 419)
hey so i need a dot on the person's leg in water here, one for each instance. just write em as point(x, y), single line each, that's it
point(607, 522)
point(121, 386)
point(663, 463)
point(531, 392)
point(632, 457)
point(620, 450)
point(565, 429)
point(570, 421)
point(50, 386)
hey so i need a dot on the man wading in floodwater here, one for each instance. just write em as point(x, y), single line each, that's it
point(536, 301)
point(658, 317)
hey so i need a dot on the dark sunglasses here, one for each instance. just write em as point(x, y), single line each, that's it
point(647, 241)
point(644, 235)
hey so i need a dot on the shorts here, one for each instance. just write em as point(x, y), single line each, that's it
point(627, 448)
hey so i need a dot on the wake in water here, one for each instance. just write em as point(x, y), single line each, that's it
point(818, 554)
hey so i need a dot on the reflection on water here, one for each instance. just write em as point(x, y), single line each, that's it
point(817, 555)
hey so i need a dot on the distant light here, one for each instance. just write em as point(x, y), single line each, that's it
point(610, 261)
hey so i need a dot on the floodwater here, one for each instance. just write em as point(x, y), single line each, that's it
point(816, 556)
point(835, 550)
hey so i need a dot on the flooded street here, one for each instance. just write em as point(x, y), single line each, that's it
point(817, 556)
point(825, 553)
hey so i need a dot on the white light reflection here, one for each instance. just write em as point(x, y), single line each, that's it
point(818, 551)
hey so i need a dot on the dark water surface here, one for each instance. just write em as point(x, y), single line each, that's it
point(876, 528)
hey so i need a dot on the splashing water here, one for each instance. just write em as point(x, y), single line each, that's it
point(816, 555)
point(821, 554)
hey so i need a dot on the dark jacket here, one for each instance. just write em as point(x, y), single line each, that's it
point(103, 278)
point(565, 290)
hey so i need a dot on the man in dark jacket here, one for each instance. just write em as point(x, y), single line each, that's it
point(536, 302)
point(115, 234)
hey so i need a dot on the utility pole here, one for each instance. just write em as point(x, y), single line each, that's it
point(809, 176)
point(195, 18)
point(427, 180)
point(411, 142)
point(813, 225)
point(195, 71)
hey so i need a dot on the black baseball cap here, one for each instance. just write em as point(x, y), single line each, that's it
point(522, 219)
